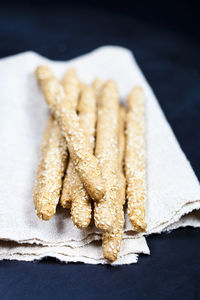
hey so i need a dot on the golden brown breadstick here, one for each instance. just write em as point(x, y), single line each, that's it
point(107, 153)
point(71, 87)
point(111, 241)
point(50, 171)
point(85, 163)
point(121, 137)
point(82, 85)
point(135, 159)
point(66, 193)
point(97, 85)
point(45, 209)
point(81, 209)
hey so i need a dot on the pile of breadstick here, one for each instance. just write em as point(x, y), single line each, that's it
point(92, 156)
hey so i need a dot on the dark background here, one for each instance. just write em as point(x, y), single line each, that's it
point(165, 39)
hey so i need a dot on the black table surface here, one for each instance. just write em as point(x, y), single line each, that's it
point(164, 38)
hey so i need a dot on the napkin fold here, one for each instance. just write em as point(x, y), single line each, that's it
point(173, 189)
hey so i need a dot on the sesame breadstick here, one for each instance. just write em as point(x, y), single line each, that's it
point(85, 163)
point(121, 137)
point(135, 159)
point(81, 209)
point(45, 200)
point(82, 85)
point(107, 153)
point(71, 87)
point(111, 241)
point(66, 193)
point(50, 171)
point(97, 85)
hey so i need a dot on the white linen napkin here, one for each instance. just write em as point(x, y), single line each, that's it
point(173, 189)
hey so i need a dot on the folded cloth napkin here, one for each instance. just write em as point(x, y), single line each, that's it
point(173, 189)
